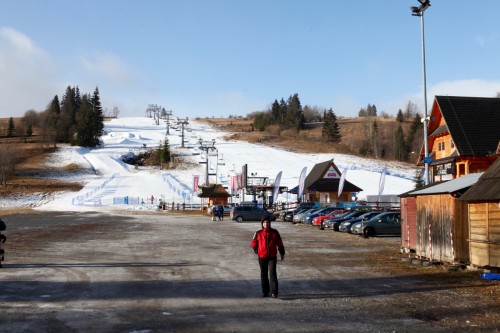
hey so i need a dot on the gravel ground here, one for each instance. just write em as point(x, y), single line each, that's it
point(166, 272)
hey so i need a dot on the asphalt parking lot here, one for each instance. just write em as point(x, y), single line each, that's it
point(165, 272)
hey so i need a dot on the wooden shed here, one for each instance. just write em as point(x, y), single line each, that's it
point(408, 204)
point(216, 194)
point(483, 200)
point(440, 228)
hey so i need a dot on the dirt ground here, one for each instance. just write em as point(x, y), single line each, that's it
point(167, 272)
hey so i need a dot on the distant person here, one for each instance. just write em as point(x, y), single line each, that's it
point(220, 213)
point(266, 243)
point(214, 213)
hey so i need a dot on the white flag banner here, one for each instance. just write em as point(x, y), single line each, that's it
point(341, 182)
point(302, 179)
point(381, 183)
point(276, 190)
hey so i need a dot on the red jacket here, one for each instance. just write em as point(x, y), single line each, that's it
point(267, 242)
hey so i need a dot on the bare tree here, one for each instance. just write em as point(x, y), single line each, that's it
point(7, 162)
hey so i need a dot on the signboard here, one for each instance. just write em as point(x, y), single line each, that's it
point(331, 173)
point(428, 160)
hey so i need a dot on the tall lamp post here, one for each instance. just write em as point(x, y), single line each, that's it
point(419, 11)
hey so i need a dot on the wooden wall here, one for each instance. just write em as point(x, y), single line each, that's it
point(409, 223)
point(484, 229)
point(448, 221)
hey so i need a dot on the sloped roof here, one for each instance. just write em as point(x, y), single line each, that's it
point(213, 191)
point(315, 181)
point(451, 186)
point(487, 187)
point(472, 123)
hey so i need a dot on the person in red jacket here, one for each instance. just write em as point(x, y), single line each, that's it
point(266, 243)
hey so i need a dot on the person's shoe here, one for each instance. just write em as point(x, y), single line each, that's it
point(274, 295)
point(265, 295)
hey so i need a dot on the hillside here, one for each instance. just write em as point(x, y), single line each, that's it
point(353, 130)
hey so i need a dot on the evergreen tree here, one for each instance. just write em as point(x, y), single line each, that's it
point(67, 118)
point(331, 130)
point(399, 149)
point(275, 112)
point(88, 127)
point(10, 127)
point(375, 139)
point(295, 115)
point(400, 117)
point(98, 117)
point(52, 124)
point(163, 155)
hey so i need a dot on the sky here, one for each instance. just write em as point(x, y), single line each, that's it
point(216, 58)
point(106, 179)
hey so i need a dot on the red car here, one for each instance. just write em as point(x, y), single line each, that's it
point(317, 220)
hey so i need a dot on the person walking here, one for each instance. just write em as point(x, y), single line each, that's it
point(266, 243)
point(214, 213)
point(221, 213)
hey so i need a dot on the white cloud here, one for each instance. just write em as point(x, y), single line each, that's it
point(26, 72)
point(110, 67)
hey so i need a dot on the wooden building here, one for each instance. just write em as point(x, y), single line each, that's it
point(463, 135)
point(435, 223)
point(483, 200)
point(215, 193)
point(322, 184)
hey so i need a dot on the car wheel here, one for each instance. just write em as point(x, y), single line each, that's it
point(239, 219)
point(369, 232)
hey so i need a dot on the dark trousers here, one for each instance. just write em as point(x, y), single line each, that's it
point(268, 274)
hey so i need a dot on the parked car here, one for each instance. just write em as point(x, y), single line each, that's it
point(288, 215)
point(388, 223)
point(298, 216)
point(250, 213)
point(334, 223)
point(346, 225)
point(319, 219)
point(309, 212)
point(322, 211)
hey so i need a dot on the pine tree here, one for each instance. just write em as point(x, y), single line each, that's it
point(98, 117)
point(67, 115)
point(331, 130)
point(375, 139)
point(400, 117)
point(399, 149)
point(10, 127)
point(89, 124)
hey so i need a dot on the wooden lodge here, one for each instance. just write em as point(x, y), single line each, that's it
point(483, 200)
point(322, 184)
point(463, 135)
point(435, 223)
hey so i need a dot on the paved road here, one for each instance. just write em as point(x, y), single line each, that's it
point(164, 272)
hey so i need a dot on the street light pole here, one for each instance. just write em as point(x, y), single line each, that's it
point(419, 11)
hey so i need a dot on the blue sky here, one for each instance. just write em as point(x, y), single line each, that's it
point(204, 58)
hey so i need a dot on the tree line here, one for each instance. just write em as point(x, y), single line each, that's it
point(377, 138)
point(76, 119)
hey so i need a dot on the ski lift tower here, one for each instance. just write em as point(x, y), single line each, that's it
point(167, 114)
point(182, 122)
point(210, 151)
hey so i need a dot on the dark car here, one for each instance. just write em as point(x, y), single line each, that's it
point(288, 215)
point(335, 222)
point(388, 223)
point(346, 225)
point(323, 211)
point(250, 213)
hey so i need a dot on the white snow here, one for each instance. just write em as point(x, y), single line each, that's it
point(108, 180)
